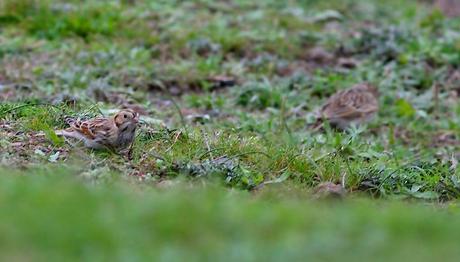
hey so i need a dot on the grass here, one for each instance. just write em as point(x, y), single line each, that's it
point(82, 221)
point(227, 92)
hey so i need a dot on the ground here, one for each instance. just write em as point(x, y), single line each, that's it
point(226, 164)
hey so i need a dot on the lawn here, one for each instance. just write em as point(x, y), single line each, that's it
point(57, 217)
point(225, 164)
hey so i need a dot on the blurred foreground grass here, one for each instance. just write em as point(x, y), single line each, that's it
point(49, 216)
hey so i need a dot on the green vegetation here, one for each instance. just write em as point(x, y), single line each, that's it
point(51, 217)
point(227, 92)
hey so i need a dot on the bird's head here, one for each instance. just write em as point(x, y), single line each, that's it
point(126, 117)
point(368, 88)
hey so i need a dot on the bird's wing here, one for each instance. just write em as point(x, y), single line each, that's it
point(92, 128)
point(349, 104)
point(364, 102)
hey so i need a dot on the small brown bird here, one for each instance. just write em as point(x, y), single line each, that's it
point(115, 133)
point(450, 8)
point(356, 105)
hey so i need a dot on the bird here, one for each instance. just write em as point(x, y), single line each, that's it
point(114, 133)
point(353, 106)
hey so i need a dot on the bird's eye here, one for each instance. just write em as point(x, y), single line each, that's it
point(125, 116)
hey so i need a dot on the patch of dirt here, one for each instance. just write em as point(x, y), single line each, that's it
point(403, 134)
point(177, 87)
point(117, 98)
point(445, 138)
point(194, 115)
point(317, 58)
point(63, 98)
point(20, 148)
point(296, 67)
point(382, 43)
point(20, 69)
point(18, 73)
point(14, 92)
point(437, 139)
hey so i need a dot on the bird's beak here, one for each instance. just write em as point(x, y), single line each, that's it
point(136, 119)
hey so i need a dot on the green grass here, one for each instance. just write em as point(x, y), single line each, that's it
point(228, 91)
point(62, 59)
point(118, 221)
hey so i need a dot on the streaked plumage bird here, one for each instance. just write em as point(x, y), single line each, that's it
point(356, 105)
point(114, 133)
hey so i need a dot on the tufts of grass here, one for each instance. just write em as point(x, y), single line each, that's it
point(260, 96)
point(54, 20)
